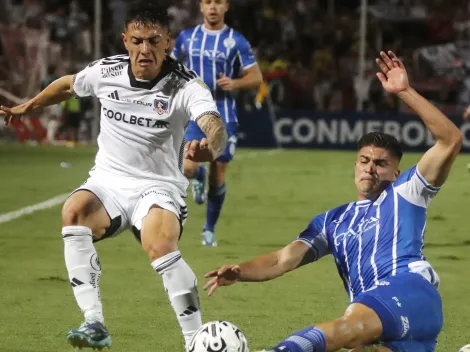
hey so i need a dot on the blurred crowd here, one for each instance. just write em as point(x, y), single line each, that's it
point(308, 49)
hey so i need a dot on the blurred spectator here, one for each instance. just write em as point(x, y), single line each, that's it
point(307, 49)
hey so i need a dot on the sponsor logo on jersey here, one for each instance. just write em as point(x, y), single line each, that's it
point(134, 120)
point(160, 106)
point(114, 71)
point(115, 95)
point(211, 54)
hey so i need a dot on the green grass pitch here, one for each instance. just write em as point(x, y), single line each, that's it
point(271, 198)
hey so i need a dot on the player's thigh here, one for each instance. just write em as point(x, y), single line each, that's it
point(85, 209)
point(98, 204)
point(158, 220)
point(359, 326)
point(409, 307)
point(230, 148)
point(193, 133)
point(160, 232)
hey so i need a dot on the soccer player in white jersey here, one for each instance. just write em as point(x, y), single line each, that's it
point(376, 242)
point(147, 99)
point(216, 53)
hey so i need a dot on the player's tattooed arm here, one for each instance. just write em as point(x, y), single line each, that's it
point(214, 129)
point(54, 93)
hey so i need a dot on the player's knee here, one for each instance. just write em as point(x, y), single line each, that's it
point(352, 332)
point(72, 215)
point(161, 245)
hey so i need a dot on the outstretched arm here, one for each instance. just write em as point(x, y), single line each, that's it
point(56, 92)
point(263, 268)
point(435, 164)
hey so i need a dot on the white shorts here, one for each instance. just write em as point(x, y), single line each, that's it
point(128, 200)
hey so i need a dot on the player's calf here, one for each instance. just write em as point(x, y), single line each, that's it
point(358, 327)
point(160, 232)
point(82, 214)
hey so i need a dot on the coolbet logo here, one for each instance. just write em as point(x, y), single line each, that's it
point(160, 106)
point(338, 132)
point(134, 120)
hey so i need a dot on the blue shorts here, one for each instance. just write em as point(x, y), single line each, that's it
point(193, 132)
point(410, 309)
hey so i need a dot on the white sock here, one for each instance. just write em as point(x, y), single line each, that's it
point(84, 270)
point(181, 286)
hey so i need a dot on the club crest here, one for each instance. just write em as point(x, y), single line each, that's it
point(160, 106)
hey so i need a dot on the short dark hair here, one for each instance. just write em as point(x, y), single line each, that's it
point(381, 140)
point(147, 13)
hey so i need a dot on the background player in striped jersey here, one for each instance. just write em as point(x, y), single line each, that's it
point(376, 242)
point(147, 99)
point(217, 53)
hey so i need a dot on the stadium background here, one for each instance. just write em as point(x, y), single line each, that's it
point(294, 160)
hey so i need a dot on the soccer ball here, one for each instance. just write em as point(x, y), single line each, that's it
point(465, 348)
point(218, 336)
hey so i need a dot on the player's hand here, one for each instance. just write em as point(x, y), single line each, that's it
point(393, 76)
point(198, 151)
point(226, 83)
point(225, 276)
point(11, 114)
point(466, 114)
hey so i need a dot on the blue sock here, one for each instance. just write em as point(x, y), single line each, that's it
point(310, 339)
point(215, 199)
point(197, 173)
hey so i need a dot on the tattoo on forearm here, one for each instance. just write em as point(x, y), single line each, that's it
point(214, 129)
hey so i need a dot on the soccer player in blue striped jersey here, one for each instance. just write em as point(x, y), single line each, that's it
point(376, 242)
point(218, 54)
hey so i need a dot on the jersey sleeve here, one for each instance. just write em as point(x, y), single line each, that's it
point(412, 186)
point(197, 100)
point(315, 236)
point(85, 82)
point(178, 49)
point(245, 53)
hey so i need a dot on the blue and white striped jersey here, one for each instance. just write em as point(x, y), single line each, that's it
point(210, 53)
point(372, 240)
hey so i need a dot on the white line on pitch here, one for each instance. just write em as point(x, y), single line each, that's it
point(52, 202)
point(33, 208)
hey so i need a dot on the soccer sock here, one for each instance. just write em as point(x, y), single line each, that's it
point(215, 200)
point(84, 270)
point(181, 286)
point(197, 173)
point(310, 339)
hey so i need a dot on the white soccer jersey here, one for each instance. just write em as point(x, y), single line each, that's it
point(143, 122)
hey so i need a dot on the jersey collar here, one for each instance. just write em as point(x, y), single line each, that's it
point(209, 31)
point(149, 84)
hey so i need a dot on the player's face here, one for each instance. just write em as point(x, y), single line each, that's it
point(214, 10)
point(375, 169)
point(147, 45)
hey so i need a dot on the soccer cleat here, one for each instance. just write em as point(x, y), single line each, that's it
point(92, 334)
point(208, 238)
point(199, 185)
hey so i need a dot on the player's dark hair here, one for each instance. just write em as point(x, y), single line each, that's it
point(381, 140)
point(147, 13)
